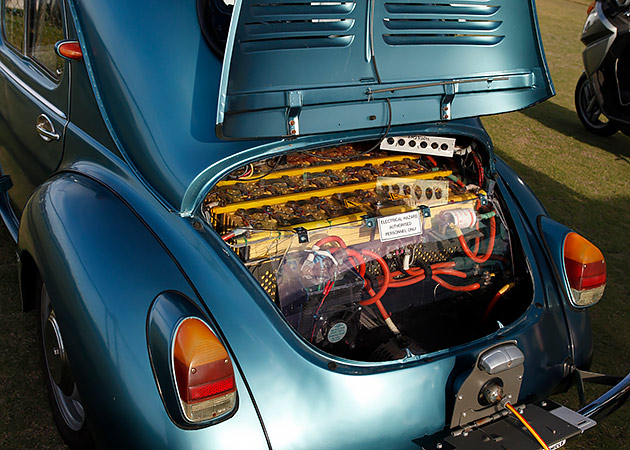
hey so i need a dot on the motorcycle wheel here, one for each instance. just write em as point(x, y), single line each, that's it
point(589, 111)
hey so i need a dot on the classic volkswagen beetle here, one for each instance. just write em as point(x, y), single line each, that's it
point(280, 224)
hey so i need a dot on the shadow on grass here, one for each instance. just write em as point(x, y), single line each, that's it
point(565, 121)
point(604, 223)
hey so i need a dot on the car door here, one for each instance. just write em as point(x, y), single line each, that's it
point(34, 95)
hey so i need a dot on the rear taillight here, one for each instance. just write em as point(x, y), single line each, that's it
point(590, 8)
point(585, 268)
point(203, 372)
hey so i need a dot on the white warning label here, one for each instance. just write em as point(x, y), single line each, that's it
point(399, 226)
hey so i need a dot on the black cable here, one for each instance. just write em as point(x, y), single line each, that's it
point(269, 172)
point(371, 149)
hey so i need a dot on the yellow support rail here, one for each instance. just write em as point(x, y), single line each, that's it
point(316, 169)
point(279, 199)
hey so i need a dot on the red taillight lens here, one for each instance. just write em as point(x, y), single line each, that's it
point(203, 372)
point(585, 268)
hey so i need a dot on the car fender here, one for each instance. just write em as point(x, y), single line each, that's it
point(103, 267)
point(578, 322)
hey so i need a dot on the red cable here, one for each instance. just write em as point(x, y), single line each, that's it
point(327, 290)
point(356, 256)
point(475, 248)
point(432, 159)
point(376, 298)
point(493, 232)
point(386, 276)
point(479, 168)
point(495, 299)
point(451, 287)
point(328, 239)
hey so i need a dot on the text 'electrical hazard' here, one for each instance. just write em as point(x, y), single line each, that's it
point(399, 226)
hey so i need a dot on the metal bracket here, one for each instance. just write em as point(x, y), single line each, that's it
point(447, 100)
point(425, 211)
point(370, 222)
point(483, 200)
point(302, 234)
point(294, 100)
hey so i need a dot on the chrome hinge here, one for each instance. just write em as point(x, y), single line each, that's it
point(294, 100)
point(447, 100)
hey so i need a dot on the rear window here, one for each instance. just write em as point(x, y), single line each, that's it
point(214, 18)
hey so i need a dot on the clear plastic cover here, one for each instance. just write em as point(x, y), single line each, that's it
point(413, 261)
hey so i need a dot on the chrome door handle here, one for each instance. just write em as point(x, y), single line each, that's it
point(46, 129)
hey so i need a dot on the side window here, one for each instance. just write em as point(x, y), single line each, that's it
point(14, 23)
point(46, 28)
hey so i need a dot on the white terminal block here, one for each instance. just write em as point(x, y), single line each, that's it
point(421, 145)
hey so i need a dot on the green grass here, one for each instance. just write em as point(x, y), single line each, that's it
point(582, 179)
point(25, 419)
point(584, 182)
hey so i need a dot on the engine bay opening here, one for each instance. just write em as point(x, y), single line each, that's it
point(378, 251)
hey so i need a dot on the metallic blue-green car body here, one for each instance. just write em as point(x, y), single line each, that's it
point(116, 235)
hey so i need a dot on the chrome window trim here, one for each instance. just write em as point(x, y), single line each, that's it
point(32, 92)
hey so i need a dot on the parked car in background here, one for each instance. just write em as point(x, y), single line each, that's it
point(282, 225)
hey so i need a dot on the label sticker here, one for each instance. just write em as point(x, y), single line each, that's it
point(337, 332)
point(399, 226)
point(558, 445)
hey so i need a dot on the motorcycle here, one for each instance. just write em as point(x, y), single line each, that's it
point(602, 94)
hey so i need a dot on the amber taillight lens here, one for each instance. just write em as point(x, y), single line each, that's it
point(70, 50)
point(585, 269)
point(203, 372)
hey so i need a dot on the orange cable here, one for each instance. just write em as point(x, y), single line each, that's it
point(527, 425)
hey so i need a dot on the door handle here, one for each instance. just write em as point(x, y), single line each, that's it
point(46, 129)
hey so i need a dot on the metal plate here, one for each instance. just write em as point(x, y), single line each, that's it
point(509, 433)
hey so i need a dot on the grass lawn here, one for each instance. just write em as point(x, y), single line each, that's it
point(582, 179)
point(584, 182)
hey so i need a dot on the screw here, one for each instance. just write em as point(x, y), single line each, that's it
point(292, 122)
point(56, 351)
point(446, 108)
point(463, 414)
point(193, 370)
point(438, 445)
point(460, 397)
point(197, 226)
point(446, 116)
point(293, 132)
point(226, 361)
point(465, 433)
point(543, 404)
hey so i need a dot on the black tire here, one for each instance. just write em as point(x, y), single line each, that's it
point(63, 396)
point(589, 111)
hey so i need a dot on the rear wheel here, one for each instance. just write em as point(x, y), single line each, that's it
point(589, 111)
point(63, 395)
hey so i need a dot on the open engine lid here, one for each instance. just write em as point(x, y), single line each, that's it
point(294, 67)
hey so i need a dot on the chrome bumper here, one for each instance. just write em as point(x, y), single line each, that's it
point(609, 402)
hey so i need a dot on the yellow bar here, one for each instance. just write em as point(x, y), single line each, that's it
point(316, 169)
point(264, 244)
point(279, 199)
